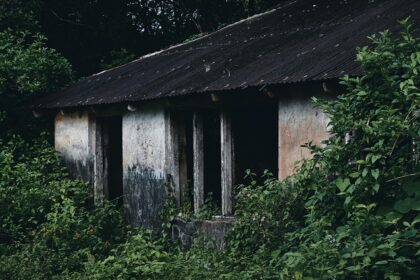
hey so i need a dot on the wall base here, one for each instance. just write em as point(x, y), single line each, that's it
point(211, 233)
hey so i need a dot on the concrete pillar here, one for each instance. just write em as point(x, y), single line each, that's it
point(144, 162)
point(73, 140)
point(172, 155)
point(227, 163)
point(198, 151)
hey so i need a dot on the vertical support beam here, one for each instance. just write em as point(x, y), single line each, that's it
point(96, 159)
point(227, 163)
point(183, 162)
point(172, 155)
point(198, 152)
point(105, 159)
point(99, 140)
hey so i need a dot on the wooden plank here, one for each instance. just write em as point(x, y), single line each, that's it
point(227, 163)
point(198, 153)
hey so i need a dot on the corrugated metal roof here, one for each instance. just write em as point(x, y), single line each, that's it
point(299, 41)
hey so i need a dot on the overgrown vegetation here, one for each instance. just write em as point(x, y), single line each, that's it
point(48, 224)
point(351, 212)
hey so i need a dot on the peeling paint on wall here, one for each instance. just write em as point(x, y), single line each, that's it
point(299, 123)
point(72, 141)
point(143, 165)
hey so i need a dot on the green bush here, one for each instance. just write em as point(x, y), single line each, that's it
point(47, 215)
point(362, 197)
point(48, 224)
point(27, 69)
point(264, 214)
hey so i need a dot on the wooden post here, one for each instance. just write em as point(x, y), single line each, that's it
point(227, 163)
point(198, 151)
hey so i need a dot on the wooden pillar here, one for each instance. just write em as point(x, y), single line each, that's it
point(198, 152)
point(227, 163)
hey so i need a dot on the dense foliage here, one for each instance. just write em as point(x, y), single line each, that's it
point(27, 68)
point(47, 222)
point(350, 212)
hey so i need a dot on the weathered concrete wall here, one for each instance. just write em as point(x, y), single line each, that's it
point(144, 165)
point(212, 233)
point(72, 140)
point(299, 123)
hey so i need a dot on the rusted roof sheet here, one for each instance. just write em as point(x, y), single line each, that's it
point(301, 40)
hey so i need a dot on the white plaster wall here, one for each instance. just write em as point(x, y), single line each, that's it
point(299, 122)
point(144, 165)
point(72, 141)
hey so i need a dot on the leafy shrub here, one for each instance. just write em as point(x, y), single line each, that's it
point(30, 186)
point(27, 69)
point(264, 214)
point(140, 257)
point(48, 224)
point(362, 197)
point(47, 215)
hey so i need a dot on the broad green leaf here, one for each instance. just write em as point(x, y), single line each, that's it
point(342, 184)
point(365, 172)
point(354, 174)
point(375, 158)
point(403, 206)
point(416, 220)
point(412, 187)
point(415, 204)
point(375, 173)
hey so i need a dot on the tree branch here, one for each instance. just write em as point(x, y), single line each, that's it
point(70, 21)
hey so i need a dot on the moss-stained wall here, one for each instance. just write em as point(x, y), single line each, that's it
point(149, 151)
point(299, 123)
point(72, 140)
point(143, 165)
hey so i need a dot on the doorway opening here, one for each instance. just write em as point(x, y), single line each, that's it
point(255, 130)
point(212, 158)
point(111, 131)
point(186, 164)
point(208, 155)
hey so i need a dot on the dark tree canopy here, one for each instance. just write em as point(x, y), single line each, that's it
point(96, 34)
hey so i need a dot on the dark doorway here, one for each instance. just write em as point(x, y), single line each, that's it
point(255, 130)
point(212, 157)
point(112, 148)
point(186, 164)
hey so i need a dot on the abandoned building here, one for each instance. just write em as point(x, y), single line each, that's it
point(195, 116)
